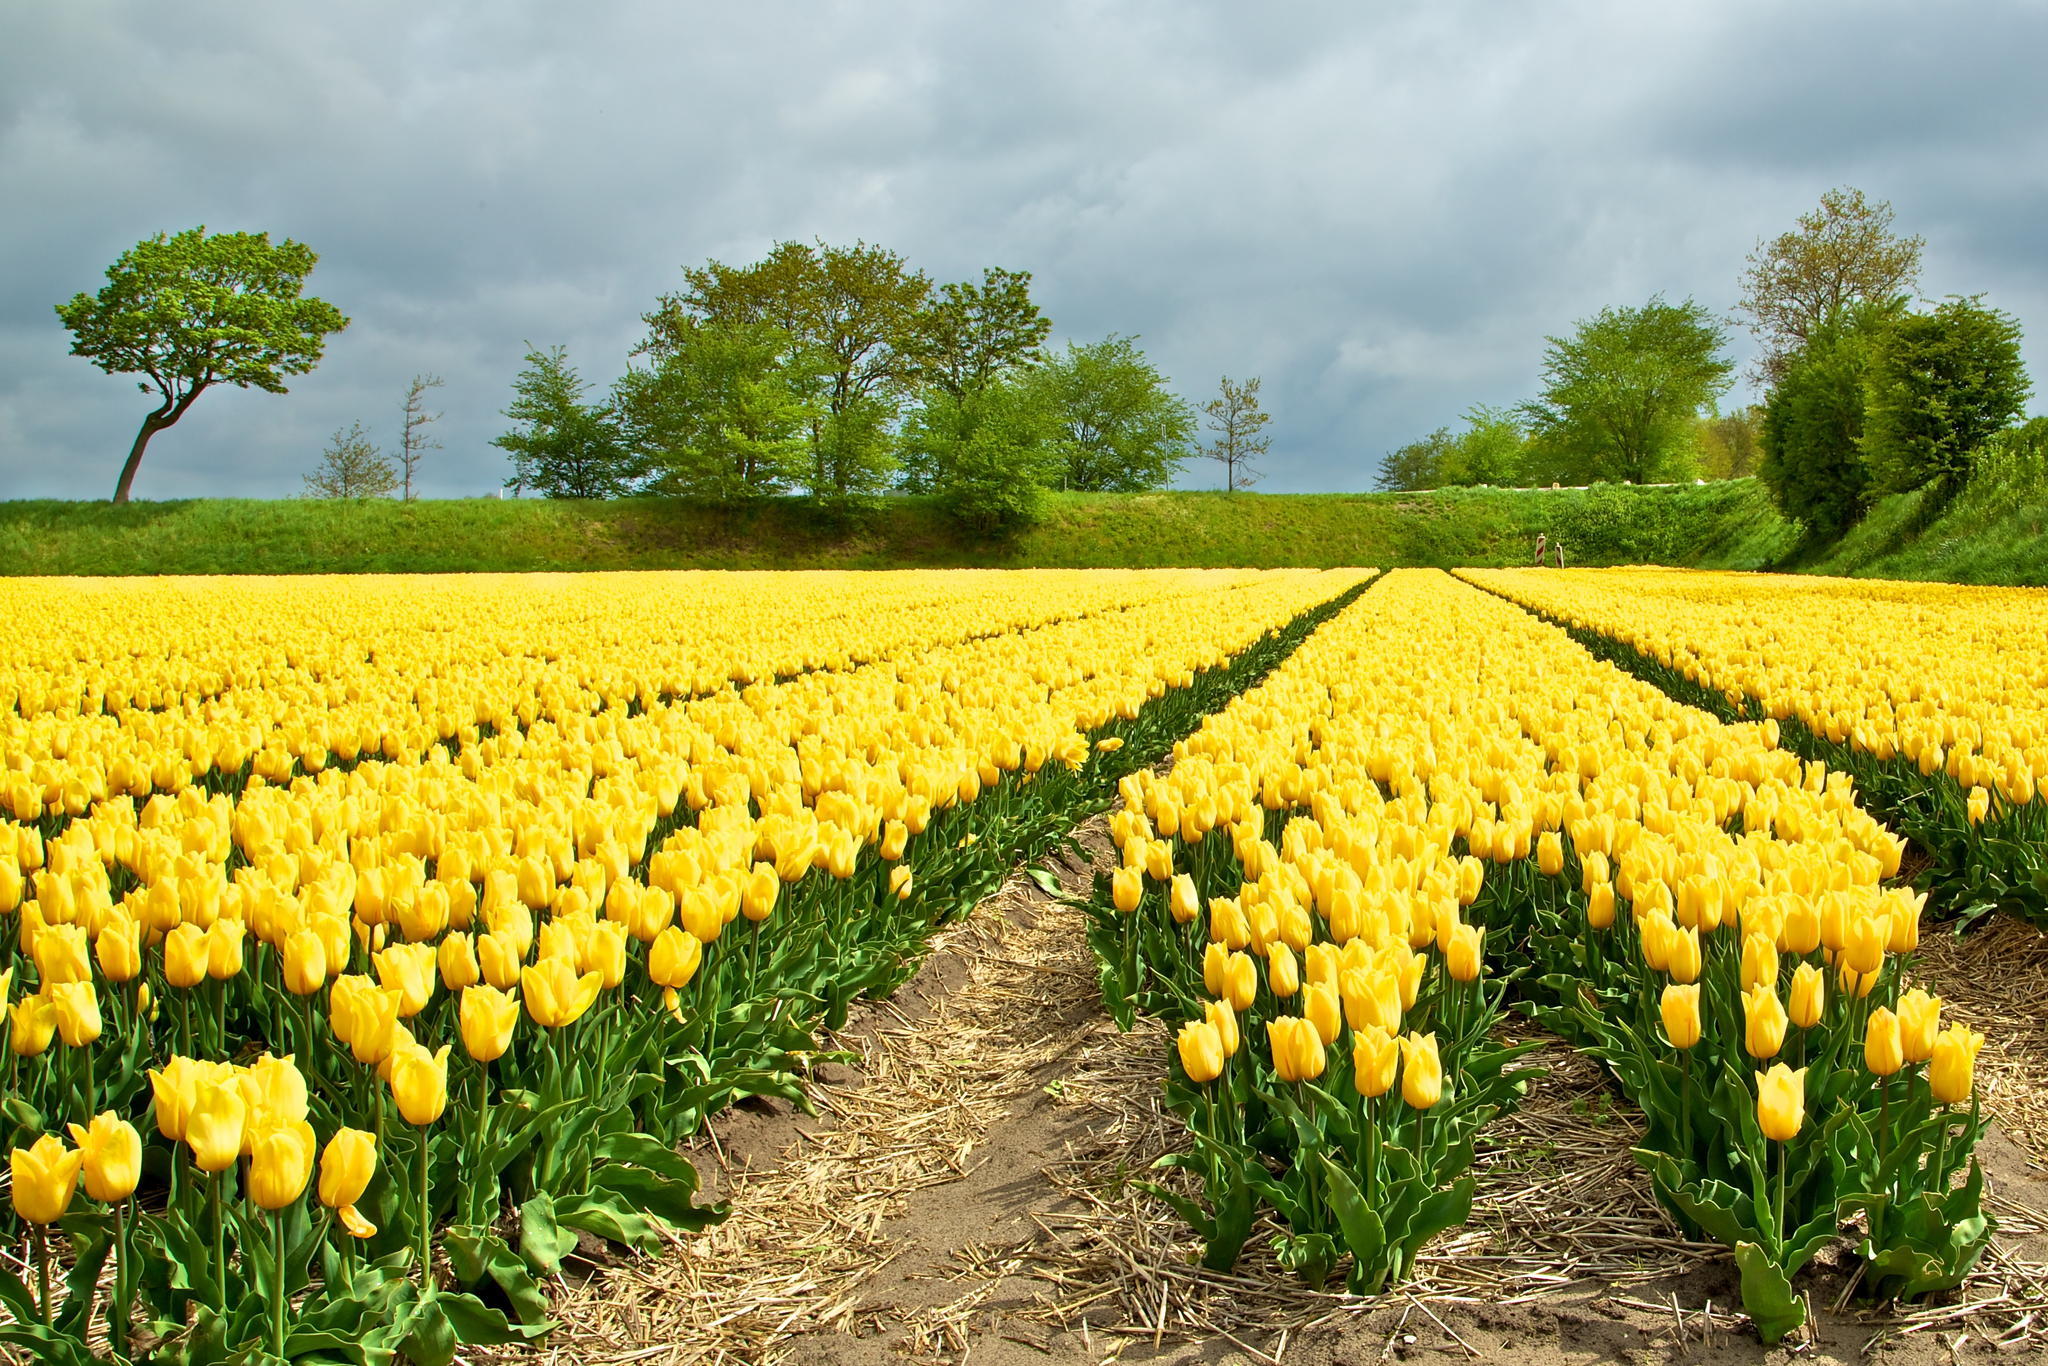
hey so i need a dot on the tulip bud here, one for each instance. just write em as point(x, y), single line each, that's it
point(488, 1016)
point(305, 963)
point(1182, 901)
point(119, 949)
point(757, 899)
point(1781, 1102)
point(78, 1012)
point(45, 1179)
point(419, 1083)
point(1422, 1071)
point(1600, 906)
point(456, 958)
point(499, 958)
point(1882, 1052)
point(1681, 1011)
point(1283, 973)
point(112, 1154)
point(1809, 996)
point(1549, 854)
point(1462, 957)
point(1951, 1070)
point(1296, 1048)
point(1979, 805)
point(1321, 1008)
point(1375, 1056)
point(1241, 982)
point(1863, 948)
point(215, 1123)
point(1127, 888)
point(224, 949)
point(1215, 968)
point(1759, 961)
point(895, 838)
point(1201, 1052)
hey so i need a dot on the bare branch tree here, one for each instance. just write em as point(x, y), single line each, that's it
point(1235, 417)
point(413, 441)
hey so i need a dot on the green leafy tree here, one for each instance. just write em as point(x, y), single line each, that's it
point(989, 454)
point(1731, 444)
point(1939, 385)
point(724, 411)
point(852, 317)
point(191, 310)
point(972, 335)
point(1844, 253)
point(1621, 394)
point(351, 467)
point(1419, 464)
point(564, 448)
point(1239, 423)
point(1811, 444)
point(1120, 428)
point(1491, 448)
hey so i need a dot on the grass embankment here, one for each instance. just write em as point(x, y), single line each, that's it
point(1727, 525)
point(1974, 539)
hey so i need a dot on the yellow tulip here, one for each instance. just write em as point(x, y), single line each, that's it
point(895, 838)
point(1283, 972)
point(419, 1083)
point(1978, 805)
point(119, 949)
point(500, 959)
point(1549, 853)
point(372, 1022)
point(45, 1178)
point(1296, 1048)
point(1919, 1024)
point(78, 1013)
point(1681, 1011)
point(1321, 1008)
point(346, 1165)
point(174, 1087)
point(280, 1163)
point(305, 962)
point(1863, 950)
point(1201, 1052)
point(556, 996)
point(111, 1150)
point(1127, 888)
point(1759, 960)
point(274, 1090)
point(1422, 1071)
point(1215, 968)
point(456, 958)
point(1375, 1057)
point(1883, 1053)
point(1951, 1070)
point(1223, 1020)
point(224, 949)
point(61, 955)
point(605, 954)
point(1764, 1021)
point(488, 1017)
point(1781, 1102)
point(411, 972)
point(1240, 982)
point(214, 1125)
point(1182, 902)
point(1462, 957)
point(1801, 933)
point(1809, 996)
point(1600, 906)
point(674, 957)
point(1683, 962)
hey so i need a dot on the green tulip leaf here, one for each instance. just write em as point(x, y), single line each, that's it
point(1767, 1295)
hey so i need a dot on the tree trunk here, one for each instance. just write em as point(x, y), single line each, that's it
point(151, 425)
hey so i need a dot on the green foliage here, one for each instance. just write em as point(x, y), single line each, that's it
point(1121, 430)
point(1419, 464)
point(1234, 415)
point(1492, 450)
point(1939, 385)
point(188, 311)
point(986, 454)
point(566, 448)
point(1812, 447)
point(351, 467)
point(1621, 394)
point(1731, 444)
point(973, 335)
point(724, 411)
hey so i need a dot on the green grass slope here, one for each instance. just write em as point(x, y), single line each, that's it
point(1729, 525)
point(1975, 539)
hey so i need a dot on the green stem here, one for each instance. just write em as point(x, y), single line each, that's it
point(118, 1315)
point(43, 1270)
point(220, 1239)
point(277, 1295)
point(426, 1231)
point(1778, 1205)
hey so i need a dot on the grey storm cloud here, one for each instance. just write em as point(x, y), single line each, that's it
point(1381, 210)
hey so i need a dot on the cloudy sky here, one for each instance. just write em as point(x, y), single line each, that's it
point(1381, 210)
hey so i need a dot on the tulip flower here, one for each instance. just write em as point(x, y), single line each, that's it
point(224, 949)
point(1883, 1052)
point(1375, 1057)
point(499, 957)
point(1759, 961)
point(1919, 1024)
point(604, 953)
point(1683, 961)
point(215, 1122)
point(174, 1086)
point(556, 995)
point(1240, 982)
point(1216, 969)
point(1462, 956)
point(305, 963)
point(674, 958)
point(456, 959)
point(1320, 1007)
point(1764, 1021)
point(32, 1023)
point(488, 1017)
point(61, 955)
point(1201, 1052)
point(45, 1178)
point(78, 1013)
point(1422, 1071)
point(119, 949)
point(1182, 902)
point(1781, 1102)
point(111, 1151)
point(1809, 996)
point(1223, 1019)
point(1951, 1070)
point(411, 972)
point(1549, 854)
point(280, 1163)
point(1600, 906)
point(1681, 1011)
point(1296, 1048)
point(1127, 888)
point(1863, 950)
point(419, 1083)
point(346, 1165)
point(1283, 972)
point(275, 1091)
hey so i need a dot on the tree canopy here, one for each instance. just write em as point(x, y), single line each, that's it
point(1811, 455)
point(191, 310)
point(565, 448)
point(1622, 393)
point(1120, 428)
point(1239, 423)
point(1939, 385)
point(1843, 253)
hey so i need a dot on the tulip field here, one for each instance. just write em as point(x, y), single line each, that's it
point(370, 943)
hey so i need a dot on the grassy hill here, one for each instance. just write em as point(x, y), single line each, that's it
point(1730, 523)
point(1993, 535)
